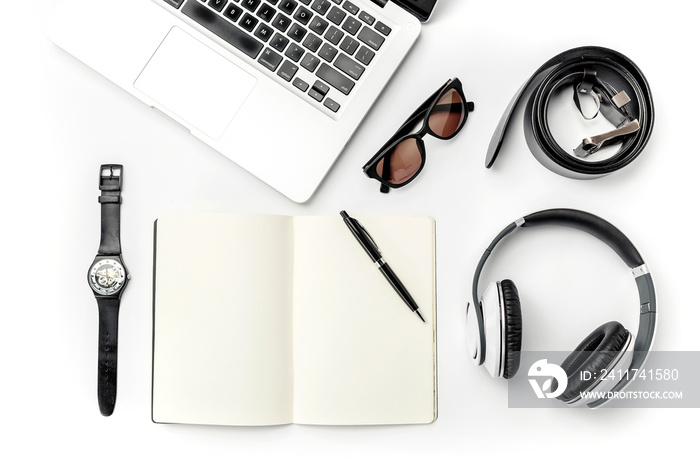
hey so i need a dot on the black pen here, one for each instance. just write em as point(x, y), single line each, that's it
point(368, 244)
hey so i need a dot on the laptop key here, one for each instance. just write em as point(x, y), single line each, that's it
point(327, 52)
point(336, 15)
point(321, 88)
point(349, 66)
point(300, 84)
point(303, 15)
point(332, 105)
point(288, 6)
point(270, 59)
point(383, 28)
point(263, 32)
point(335, 78)
point(370, 38)
point(294, 52)
point(222, 28)
point(315, 94)
point(279, 42)
point(250, 5)
point(266, 12)
point(310, 62)
point(352, 25)
point(296, 32)
point(351, 7)
point(287, 70)
point(318, 25)
point(365, 55)
point(334, 35)
point(218, 5)
point(233, 12)
point(312, 42)
point(349, 45)
point(281, 22)
point(321, 6)
point(367, 18)
point(248, 22)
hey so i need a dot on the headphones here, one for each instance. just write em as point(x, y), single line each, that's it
point(494, 326)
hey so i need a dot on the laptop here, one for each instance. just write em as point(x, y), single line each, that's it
point(277, 86)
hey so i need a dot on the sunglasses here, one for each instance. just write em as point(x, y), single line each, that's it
point(400, 160)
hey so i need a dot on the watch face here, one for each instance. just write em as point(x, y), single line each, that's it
point(107, 276)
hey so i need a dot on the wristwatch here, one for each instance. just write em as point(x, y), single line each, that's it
point(108, 277)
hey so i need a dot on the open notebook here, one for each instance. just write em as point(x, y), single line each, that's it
point(264, 319)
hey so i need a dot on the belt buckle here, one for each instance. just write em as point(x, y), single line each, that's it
point(610, 106)
point(593, 144)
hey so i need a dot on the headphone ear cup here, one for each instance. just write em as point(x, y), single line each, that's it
point(593, 355)
point(513, 328)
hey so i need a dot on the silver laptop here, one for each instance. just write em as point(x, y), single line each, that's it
point(277, 86)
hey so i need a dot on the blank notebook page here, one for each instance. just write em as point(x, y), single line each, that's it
point(360, 355)
point(222, 350)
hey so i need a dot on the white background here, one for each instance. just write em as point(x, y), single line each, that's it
point(60, 121)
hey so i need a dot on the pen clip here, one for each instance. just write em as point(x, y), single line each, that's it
point(369, 237)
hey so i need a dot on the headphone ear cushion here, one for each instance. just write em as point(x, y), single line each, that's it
point(593, 355)
point(514, 328)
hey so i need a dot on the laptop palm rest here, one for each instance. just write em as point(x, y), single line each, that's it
point(195, 84)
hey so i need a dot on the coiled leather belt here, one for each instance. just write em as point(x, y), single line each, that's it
point(623, 97)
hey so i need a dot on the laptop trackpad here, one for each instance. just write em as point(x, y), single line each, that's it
point(195, 83)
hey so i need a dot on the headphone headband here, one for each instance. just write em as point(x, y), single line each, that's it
point(610, 235)
point(591, 224)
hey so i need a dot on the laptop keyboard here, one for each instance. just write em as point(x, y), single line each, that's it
point(313, 45)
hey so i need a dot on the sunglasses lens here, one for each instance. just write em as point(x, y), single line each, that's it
point(448, 115)
point(403, 162)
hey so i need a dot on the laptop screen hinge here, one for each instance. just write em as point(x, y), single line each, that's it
point(381, 3)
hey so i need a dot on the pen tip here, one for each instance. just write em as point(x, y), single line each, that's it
point(421, 317)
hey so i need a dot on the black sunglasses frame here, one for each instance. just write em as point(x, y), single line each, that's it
point(404, 133)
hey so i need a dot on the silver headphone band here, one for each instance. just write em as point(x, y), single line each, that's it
point(475, 288)
point(618, 242)
point(645, 332)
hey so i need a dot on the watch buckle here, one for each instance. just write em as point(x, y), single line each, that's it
point(111, 177)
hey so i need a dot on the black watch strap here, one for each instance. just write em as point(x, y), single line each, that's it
point(111, 176)
point(110, 199)
point(107, 351)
